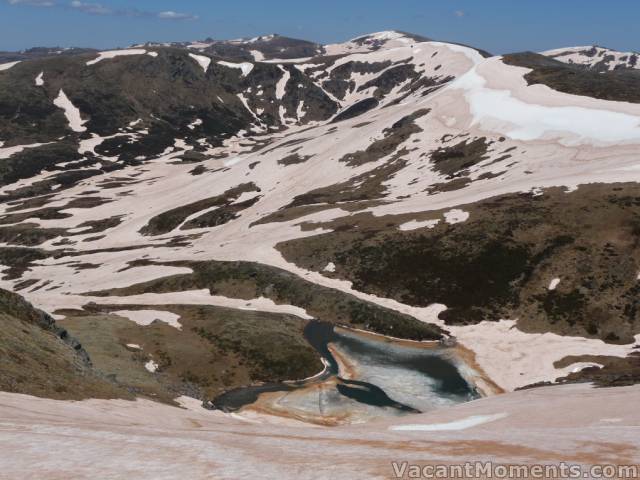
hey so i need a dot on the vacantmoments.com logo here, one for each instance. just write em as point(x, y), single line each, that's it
point(482, 470)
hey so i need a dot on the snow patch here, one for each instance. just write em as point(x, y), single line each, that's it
point(415, 224)
point(194, 124)
point(147, 317)
point(590, 56)
point(553, 284)
point(257, 55)
point(463, 424)
point(39, 81)
point(245, 67)
point(71, 112)
point(578, 367)
point(116, 53)
point(300, 113)
point(8, 151)
point(331, 267)
point(7, 66)
point(203, 61)
point(282, 83)
point(151, 366)
point(456, 216)
point(499, 110)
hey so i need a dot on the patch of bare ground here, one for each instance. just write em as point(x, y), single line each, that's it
point(216, 349)
point(363, 190)
point(359, 192)
point(394, 136)
point(293, 159)
point(499, 263)
point(614, 371)
point(39, 358)
point(617, 85)
point(248, 280)
point(171, 219)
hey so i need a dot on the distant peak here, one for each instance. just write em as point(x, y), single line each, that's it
point(388, 35)
point(595, 57)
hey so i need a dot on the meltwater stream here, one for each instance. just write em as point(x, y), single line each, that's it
point(366, 377)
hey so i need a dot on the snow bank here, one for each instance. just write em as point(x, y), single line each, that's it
point(151, 366)
point(463, 424)
point(415, 224)
point(246, 67)
point(147, 317)
point(456, 216)
point(203, 61)
point(71, 112)
point(331, 267)
point(116, 53)
point(7, 66)
point(8, 151)
point(500, 111)
point(282, 83)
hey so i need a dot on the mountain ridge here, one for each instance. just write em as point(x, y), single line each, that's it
point(413, 185)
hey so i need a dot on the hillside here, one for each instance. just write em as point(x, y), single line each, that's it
point(204, 201)
point(596, 58)
point(39, 358)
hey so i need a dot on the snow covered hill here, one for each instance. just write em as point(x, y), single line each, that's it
point(408, 187)
point(596, 58)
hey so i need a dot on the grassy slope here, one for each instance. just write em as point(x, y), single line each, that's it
point(38, 358)
point(250, 280)
point(216, 349)
point(499, 263)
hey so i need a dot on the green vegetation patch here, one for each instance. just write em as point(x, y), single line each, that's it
point(499, 263)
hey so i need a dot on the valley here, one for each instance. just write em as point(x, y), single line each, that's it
point(258, 239)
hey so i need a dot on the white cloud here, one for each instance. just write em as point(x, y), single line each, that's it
point(171, 15)
point(33, 3)
point(91, 8)
point(459, 13)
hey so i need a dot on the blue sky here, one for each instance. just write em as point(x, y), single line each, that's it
point(496, 25)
